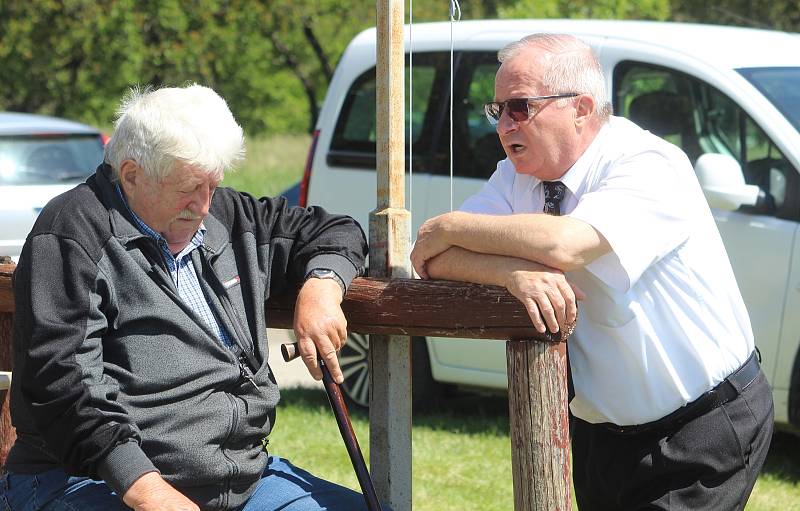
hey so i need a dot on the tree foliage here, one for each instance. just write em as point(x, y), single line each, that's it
point(600, 9)
point(768, 14)
point(75, 58)
point(55, 55)
point(271, 59)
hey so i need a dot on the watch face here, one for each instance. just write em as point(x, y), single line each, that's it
point(323, 274)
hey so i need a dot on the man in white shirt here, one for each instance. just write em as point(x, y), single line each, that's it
point(672, 410)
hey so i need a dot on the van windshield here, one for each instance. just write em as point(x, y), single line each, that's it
point(781, 85)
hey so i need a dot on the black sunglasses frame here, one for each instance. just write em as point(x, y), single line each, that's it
point(519, 109)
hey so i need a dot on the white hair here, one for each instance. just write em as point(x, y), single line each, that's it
point(573, 67)
point(191, 125)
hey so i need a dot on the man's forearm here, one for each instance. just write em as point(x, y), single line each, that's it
point(558, 242)
point(464, 265)
point(549, 299)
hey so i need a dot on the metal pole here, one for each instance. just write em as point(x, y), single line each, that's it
point(389, 240)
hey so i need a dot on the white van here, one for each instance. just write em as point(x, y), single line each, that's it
point(730, 97)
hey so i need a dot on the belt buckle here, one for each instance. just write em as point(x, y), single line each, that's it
point(614, 428)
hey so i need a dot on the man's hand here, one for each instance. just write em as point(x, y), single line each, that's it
point(548, 297)
point(320, 325)
point(152, 493)
point(431, 241)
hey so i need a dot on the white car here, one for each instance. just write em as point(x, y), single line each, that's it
point(730, 97)
point(40, 157)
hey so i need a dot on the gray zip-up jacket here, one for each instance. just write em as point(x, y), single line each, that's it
point(115, 376)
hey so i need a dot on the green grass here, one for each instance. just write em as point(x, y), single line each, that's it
point(272, 164)
point(462, 453)
point(778, 488)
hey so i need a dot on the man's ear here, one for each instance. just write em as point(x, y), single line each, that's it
point(129, 175)
point(584, 109)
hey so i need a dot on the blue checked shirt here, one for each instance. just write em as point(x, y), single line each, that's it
point(183, 274)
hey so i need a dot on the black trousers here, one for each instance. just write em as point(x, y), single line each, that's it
point(708, 463)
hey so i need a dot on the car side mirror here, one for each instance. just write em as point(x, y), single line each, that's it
point(723, 184)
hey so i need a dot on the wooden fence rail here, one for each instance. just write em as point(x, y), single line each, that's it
point(536, 364)
point(7, 435)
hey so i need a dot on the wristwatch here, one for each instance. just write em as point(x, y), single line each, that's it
point(324, 273)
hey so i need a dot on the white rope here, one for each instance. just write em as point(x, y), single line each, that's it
point(455, 15)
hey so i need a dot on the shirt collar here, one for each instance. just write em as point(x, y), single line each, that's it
point(196, 241)
point(573, 178)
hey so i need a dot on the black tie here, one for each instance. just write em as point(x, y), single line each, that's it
point(554, 192)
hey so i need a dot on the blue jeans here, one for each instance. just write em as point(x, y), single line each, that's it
point(283, 487)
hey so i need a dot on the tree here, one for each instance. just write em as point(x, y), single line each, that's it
point(601, 9)
point(63, 57)
point(271, 59)
point(774, 15)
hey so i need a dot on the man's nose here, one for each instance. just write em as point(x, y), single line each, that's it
point(202, 200)
point(506, 124)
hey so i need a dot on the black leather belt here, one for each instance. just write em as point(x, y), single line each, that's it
point(727, 390)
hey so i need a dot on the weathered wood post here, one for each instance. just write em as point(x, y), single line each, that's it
point(7, 434)
point(537, 403)
point(389, 242)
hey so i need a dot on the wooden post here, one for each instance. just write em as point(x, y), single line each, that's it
point(389, 240)
point(537, 402)
point(7, 434)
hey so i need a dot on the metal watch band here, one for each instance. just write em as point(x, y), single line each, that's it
point(323, 273)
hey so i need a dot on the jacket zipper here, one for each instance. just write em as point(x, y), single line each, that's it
point(158, 264)
point(247, 375)
point(234, 469)
point(241, 337)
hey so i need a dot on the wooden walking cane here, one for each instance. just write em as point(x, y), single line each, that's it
point(290, 352)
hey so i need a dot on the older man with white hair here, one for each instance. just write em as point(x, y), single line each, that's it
point(141, 374)
point(671, 408)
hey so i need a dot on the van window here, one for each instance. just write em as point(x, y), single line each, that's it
point(353, 142)
point(480, 137)
point(700, 119)
point(476, 148)
point(358, 125)
point(780, 86)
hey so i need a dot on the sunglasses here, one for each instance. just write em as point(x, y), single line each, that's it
point(519, 109)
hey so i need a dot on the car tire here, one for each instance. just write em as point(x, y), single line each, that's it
point(353, 360)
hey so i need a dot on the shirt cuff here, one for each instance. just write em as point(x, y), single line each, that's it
point(124, 465)
point(340, 265)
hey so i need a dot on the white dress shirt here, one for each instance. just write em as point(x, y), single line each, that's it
point(664, 320)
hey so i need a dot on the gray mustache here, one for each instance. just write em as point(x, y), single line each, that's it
point(188, 215)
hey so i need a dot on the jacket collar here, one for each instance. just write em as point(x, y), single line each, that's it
point(124, 227)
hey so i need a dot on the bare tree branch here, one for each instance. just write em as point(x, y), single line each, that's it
point(745, 20)
point(308, 84)
point(308, 32)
